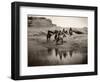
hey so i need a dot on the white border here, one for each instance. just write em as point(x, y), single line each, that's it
point(25, 70)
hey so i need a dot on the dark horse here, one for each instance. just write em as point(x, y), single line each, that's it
point(49, 34)
point(59, 35)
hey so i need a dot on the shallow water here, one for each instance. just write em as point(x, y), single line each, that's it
point(56, 56)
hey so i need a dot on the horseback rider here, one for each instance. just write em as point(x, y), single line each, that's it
point(49, 34)
point(70, 31)
point(59, 37)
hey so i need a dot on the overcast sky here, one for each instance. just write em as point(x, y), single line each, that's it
point(68, 21)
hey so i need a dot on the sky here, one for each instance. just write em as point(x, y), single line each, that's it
point(65, 21)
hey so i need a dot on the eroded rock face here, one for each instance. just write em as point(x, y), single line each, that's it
point(39, 22)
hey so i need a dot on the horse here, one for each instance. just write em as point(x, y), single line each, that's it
point(49, 34)
point(59, 35)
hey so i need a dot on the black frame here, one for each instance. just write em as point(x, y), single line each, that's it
point(15, 41)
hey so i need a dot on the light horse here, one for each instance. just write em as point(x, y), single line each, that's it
point(60, 36)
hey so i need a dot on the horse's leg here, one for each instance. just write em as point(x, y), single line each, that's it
point(47, 38)
point(62, 40)
point(55, 37)
point(57, 41)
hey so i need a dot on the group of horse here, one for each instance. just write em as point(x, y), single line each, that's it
point(58, 35)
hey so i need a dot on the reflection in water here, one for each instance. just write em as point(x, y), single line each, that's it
point(49, 50)
point(56, 57)
point(63, 53)
point(70, 53)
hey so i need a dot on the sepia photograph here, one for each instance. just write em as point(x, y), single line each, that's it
point(53, 40)
point(57, 40)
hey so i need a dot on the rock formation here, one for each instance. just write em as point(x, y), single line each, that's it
point(39, 22)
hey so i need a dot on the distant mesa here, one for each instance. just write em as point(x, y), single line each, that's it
point(39, 22)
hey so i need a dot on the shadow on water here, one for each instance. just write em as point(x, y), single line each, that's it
point(56, 56)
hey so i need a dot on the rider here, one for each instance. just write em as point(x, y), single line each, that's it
point(59, 37)
point(70, 31)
